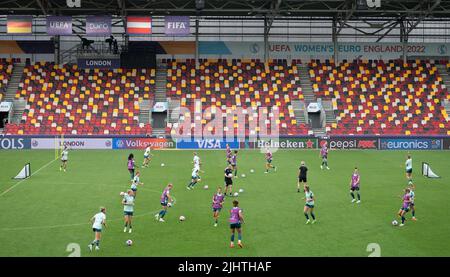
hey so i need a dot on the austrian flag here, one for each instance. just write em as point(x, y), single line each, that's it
point(139, 25)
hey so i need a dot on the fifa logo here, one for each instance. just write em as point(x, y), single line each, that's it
point(373, 3)
point(73, 3)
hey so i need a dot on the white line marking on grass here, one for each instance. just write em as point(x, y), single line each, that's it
point(68, 225)
point(18, 183)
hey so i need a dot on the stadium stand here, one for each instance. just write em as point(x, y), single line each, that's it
point(63, 99)
point(377, 97)
point(6, 68)
point(229, 84)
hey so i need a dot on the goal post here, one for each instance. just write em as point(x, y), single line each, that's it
point(25, 172)
point(427, 172)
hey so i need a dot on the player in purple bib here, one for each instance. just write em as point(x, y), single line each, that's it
point(217, 204)
point(233, 162)
point(324, 155)
point(236, 219)
point(406, 198)
point(229, 153)
point(166, 201)
point(131, 165)
point(354, 186)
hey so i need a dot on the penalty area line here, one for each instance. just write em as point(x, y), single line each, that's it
point(23, 180)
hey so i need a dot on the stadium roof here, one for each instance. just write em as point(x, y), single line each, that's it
point(286, 8)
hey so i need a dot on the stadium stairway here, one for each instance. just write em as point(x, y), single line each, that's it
point(306, 85)
point(13, 84)
point(442, 69)
point(299, 111)
point(145, 111)
point(161, 82)
point(160, 96)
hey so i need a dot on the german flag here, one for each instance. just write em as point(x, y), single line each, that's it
point(19, 24)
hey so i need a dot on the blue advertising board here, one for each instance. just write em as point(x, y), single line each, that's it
point(206, 144)
point(104, 63)
point(15, 143)
point(410, 144)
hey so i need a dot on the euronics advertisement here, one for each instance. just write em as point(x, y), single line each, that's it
point(410, 144)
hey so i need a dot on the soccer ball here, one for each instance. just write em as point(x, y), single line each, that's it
point(162, 164)
point(122, 193)
point(182, 218)
point(243, 175)
point(205, 187)
point(241, 190)
point(129, 242)
point(251, 170)
point(394, 222)
point(236, 194)
point(169, 204)
point(230, 175)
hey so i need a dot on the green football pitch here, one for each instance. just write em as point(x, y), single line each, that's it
point(42, 215)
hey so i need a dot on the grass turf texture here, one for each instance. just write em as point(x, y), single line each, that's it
point(45, 213)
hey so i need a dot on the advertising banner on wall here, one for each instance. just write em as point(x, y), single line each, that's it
point(142, 143)
point(59, 25)
point(322, 49)
point(351, 143)
point(207, 144)
point(287, 143)
point(177, 25)
point(72, 143)
point(14, 143)
point(410, 144)
point(103, 63)
point(98, 25)
point(446, 144)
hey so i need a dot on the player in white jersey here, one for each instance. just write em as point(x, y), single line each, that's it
point(136, 182)
point(196, 162)
point(147, 156)
point(98, 222)
point(64, 159)
point(195, 178)
point(128, 209)
point(408, 169)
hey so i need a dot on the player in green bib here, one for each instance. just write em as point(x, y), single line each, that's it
point(309, 205)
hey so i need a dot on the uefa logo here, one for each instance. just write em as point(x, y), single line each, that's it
point(119, 144)
point(254, 48)
point(442, 49)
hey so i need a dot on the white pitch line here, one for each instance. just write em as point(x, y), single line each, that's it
point(18, 183)
point(67, 225)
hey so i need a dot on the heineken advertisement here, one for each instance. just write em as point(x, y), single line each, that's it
point(288, 143)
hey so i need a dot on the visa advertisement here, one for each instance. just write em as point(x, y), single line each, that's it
point(207, 144)
point(142, 143)
point(410, 144)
